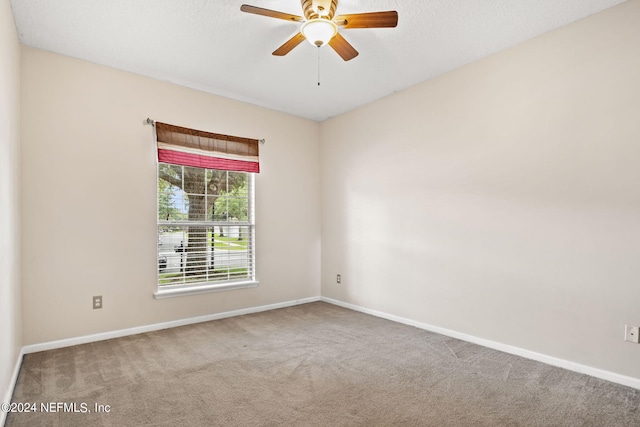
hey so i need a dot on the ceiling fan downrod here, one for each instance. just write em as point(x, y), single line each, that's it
point(314, 9)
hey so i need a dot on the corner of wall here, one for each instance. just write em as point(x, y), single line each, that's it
point(10, 290)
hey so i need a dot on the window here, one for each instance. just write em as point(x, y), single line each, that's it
point(206, 221)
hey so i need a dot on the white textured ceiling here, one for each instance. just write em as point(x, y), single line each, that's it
point(211, 46)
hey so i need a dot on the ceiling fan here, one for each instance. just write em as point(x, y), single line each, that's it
point(320, 25)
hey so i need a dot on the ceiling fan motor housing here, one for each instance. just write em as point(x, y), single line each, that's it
point(314, 9)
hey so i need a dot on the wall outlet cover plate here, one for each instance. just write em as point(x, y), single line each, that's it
point(97, 302)
point(632, 334)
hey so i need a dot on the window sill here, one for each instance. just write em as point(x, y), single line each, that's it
point(202, 289)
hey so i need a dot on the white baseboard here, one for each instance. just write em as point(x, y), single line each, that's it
point(528, 354)
point(12, 386)
point(33, 348)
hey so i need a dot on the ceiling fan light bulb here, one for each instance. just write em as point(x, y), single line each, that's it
point(319, 31)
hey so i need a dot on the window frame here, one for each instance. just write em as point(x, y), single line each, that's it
point(173, 290)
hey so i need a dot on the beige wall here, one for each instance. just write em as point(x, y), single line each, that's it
point(10, 317)
point(501, 200)
point(89, 204)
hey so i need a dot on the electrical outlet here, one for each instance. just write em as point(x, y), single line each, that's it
point(632, 334)
point(97, 302)
point(338, 279)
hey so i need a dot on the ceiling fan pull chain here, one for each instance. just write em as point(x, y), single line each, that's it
point(318, 65)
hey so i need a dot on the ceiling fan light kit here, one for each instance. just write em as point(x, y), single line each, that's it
point(320, 25)
point(319, 31)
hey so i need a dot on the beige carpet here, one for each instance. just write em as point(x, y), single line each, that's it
point(309, 365)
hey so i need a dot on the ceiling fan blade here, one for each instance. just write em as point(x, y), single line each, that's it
point(271, 13)
point(342, 47)
point(289, 45)
point(368, 20)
